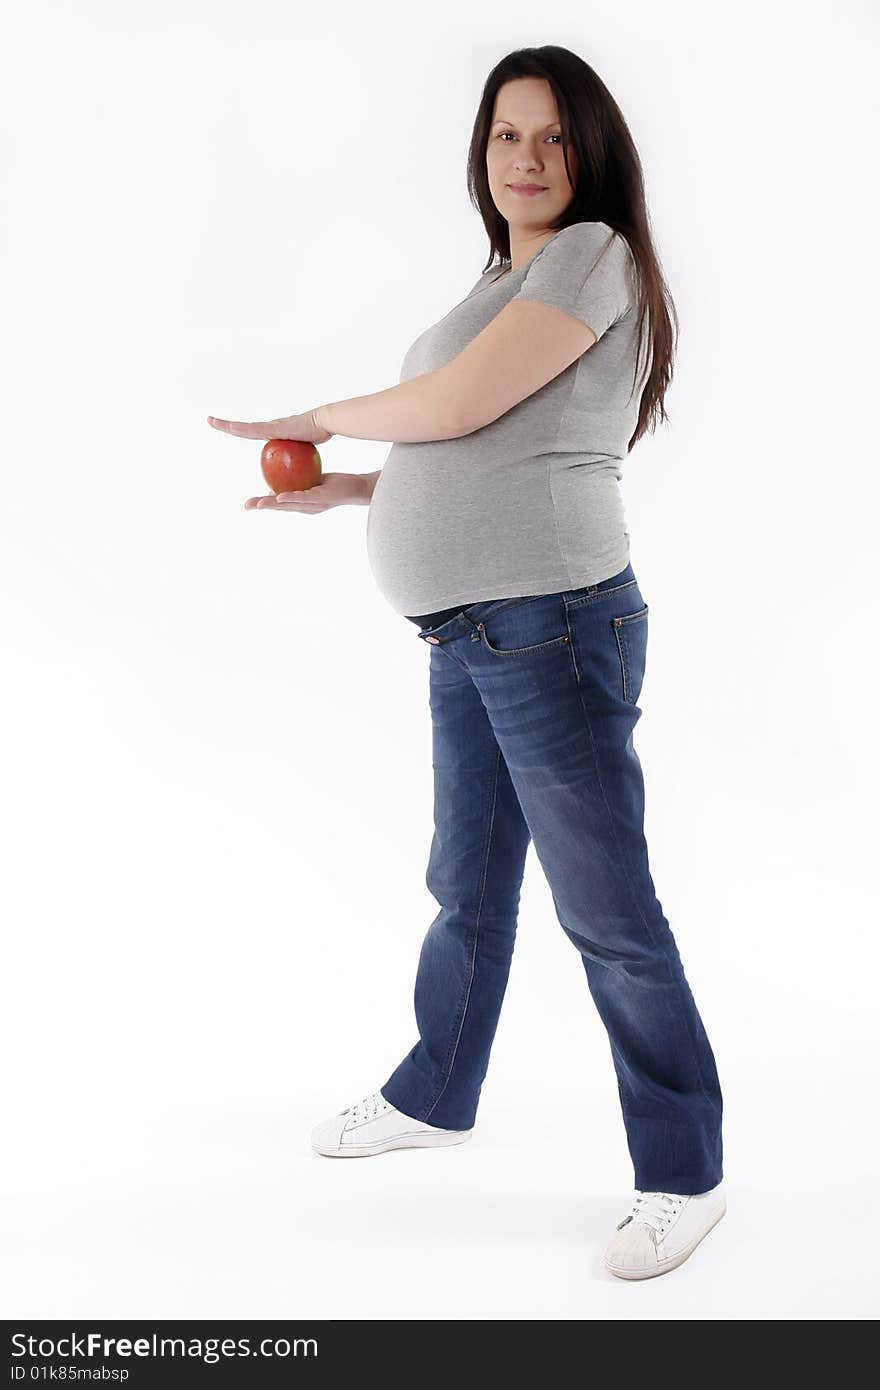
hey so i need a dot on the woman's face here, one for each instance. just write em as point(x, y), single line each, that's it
point(525, 147)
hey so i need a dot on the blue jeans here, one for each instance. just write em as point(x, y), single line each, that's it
point(533, 707)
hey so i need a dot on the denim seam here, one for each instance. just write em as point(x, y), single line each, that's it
point(623, 649)
point(622, 857)
point(571, 646)
point(623, 658)
point(485, 874)
point(523, 651)
point(513, 602)
point(600, 593)
point(439, 646)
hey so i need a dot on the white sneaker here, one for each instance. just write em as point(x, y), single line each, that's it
point(661, 1230)
point(373, 1125)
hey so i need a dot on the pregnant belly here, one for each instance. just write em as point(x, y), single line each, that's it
point(435, 532)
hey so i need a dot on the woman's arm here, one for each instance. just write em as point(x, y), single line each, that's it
point(424, 408)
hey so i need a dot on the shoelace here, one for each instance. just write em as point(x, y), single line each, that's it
point(367, 1108)
point(655, 1209)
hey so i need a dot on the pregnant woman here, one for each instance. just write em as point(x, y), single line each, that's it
point(497, 527)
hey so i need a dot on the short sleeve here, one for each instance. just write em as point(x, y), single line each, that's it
point(586, 269)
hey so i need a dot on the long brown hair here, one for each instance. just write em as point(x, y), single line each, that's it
point(609, 188)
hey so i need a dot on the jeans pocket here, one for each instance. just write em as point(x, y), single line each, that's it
point(531, 628)
point(631, 633)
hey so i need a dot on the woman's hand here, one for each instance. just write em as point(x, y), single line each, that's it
point(334, 490)
point(301, 427)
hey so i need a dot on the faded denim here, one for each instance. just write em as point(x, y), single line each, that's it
point(533, 706)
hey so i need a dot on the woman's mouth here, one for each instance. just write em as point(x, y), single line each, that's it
point(526, 190)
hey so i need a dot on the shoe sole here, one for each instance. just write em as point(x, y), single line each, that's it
point(671, 1262)
point(403, 1141)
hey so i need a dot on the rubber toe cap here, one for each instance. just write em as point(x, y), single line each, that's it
point(632, 1248)
point(328, 1134)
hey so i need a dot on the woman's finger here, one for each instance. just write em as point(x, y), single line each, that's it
point(283, 502)
point(245, 429)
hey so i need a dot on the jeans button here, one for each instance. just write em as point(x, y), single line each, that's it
point(435, 640)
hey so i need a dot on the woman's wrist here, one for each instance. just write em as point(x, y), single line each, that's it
point(319, 417)
point(369, 481)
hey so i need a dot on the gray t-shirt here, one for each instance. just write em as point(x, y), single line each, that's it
point(529, 504)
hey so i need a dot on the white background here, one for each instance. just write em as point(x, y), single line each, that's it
point(216, 736)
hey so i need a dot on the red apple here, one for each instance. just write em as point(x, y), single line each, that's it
point(290, 465)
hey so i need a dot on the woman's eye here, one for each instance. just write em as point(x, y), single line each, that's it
point(510, 132)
